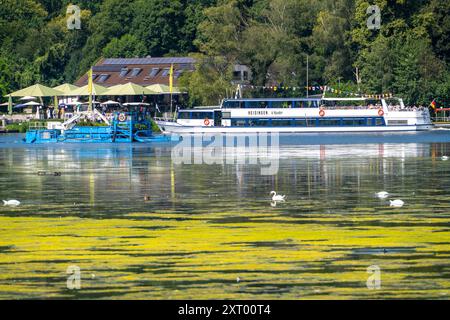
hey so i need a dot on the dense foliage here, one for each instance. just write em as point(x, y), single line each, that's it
point(409, 55)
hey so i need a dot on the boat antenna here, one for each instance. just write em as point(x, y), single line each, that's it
point(307, 76)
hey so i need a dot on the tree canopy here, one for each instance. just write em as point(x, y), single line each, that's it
point(408, 55)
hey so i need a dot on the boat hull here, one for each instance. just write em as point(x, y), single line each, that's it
point(171, 127)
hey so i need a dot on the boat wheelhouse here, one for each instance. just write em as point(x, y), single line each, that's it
point(300, 115)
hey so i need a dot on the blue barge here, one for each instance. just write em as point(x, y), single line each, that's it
point(125, 127)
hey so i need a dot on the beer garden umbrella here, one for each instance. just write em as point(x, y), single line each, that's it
point(97, 90)
point(37, 90)
point(129, 89)
point(66, 88)
point(163, 89)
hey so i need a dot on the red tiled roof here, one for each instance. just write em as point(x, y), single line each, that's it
point(142, 71)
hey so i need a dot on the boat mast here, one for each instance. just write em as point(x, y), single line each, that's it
point(307, 76)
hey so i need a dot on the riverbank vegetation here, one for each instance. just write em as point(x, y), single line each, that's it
point(408, 56)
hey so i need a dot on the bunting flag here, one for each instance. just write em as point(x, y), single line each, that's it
point(321, 89)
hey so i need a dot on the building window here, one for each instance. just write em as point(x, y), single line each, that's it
point(237, 76)
point(103, 78)
point(135, 72)
point(178, 73)
point(166, 72)
point(124, 72)
point(154, 72)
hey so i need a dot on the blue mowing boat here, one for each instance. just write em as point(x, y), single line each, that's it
point(125, 127)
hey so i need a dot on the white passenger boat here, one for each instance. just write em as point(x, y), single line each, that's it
point(300, 115)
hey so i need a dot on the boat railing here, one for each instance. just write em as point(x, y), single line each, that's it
point(37, 126)
point(405, 109)
point(441, 119)
point(351, 107)
point(164, 119)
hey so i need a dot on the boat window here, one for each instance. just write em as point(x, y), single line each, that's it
point(281, 122)
point(299, 123)
point(259, 122)
point(184, 115)
point(239, 123)
point(256, 104)
point(202, 115)
point(329, 122)
point(379, 122)
point(226, 115)
point(280, 104)
point(355, 122)
point(397, 122)
point(232, 104)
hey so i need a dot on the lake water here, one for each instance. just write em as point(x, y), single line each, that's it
point(211, 231)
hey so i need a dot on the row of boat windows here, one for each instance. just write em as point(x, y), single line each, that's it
point(313, 122)
point(270, 104)
point(196, 115)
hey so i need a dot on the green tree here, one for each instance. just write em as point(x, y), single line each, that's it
point(112, 21)
point(128, 46)
point(210, 82)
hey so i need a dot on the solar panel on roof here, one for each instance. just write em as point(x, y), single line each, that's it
point(131, 61)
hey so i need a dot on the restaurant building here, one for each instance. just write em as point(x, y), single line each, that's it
point(141, 71)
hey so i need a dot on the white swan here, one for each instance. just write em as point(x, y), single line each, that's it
point(11, 203)
point(276, 197)
point(383, 194)
point(444, 158)
point(397, 203)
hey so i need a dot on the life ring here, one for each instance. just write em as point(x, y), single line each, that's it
point(206, 122)
point(122, 117)
point(322, 113)
point(381, 112)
